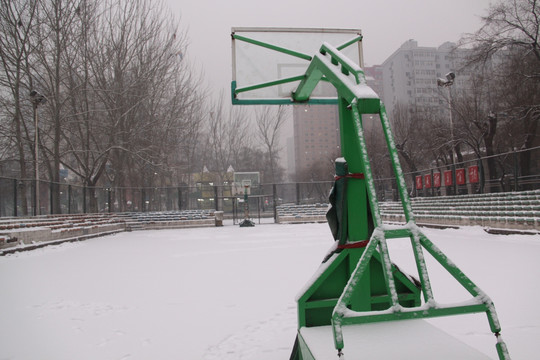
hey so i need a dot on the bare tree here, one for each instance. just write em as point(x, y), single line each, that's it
point(323, 170)
point(509, 23)
point(185, 111)
point(16, 26)
point(136, 97)
point(415, 136)
point(227, 137)
point(474, 119)
point(508, 44)
point(269, 123)
point(123, 103)
point(52, 54)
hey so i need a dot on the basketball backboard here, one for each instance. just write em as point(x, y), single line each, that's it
point(269, 63)
point(241, 179)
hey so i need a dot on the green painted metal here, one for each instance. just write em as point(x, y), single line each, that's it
point(346, 66)
point(394, 159)
point(268, 84)
point(350, 42)
point(316, 304)
point(361, 285)
point(277, 101)
point(357, 208)
point(368, 317)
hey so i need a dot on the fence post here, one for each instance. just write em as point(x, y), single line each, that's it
point(15, 188)
point(69, 199)
point(84, 199)
point(109, 197)
point(216, 199)
point(143, 200)
point(454, 182)
point(297, 193)
point(481, 176)
point(34, 197)
point(274, 194)
point(179, 192)
point(432, 185)
point(51, 210)
point(516, 170)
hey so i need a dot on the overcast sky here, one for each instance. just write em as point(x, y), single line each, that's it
point(385, 24)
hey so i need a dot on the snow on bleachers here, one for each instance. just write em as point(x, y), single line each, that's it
point(512, 210)
point(290, 213)
point(29, 233)
point(169, 219)
point(24, 233)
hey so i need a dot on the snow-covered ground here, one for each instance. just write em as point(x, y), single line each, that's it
point(228, 293)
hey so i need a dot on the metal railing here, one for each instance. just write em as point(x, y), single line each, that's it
point(17, 196)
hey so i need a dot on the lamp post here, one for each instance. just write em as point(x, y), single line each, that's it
point(37, 99)
point(446, 83)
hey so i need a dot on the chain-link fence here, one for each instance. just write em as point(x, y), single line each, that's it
point(17, 198)
point(496, 174)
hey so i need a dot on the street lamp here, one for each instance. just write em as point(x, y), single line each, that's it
point(37, 99)
point(446, 83)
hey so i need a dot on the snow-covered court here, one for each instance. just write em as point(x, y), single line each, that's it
point(229, 293)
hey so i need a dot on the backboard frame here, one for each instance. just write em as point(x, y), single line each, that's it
point(307, 42)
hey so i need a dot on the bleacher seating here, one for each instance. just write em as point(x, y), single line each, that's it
point(29, 233)
point(511, 210)
point(169, 219)
point(18, 233)
point(295, 214)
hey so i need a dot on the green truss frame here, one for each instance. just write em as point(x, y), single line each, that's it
point(354, 99)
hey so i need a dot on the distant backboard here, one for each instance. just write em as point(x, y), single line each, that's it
point(268, 63)
point(241, 179)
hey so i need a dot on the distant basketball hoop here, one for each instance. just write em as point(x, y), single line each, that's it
point(243, 180)
point(246, 184)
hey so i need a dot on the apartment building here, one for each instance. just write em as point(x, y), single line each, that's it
point(410, 75)
point(316, 135)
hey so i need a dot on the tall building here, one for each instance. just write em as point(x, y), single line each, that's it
point(410, 75)
point(316, 136)
point(290, 153)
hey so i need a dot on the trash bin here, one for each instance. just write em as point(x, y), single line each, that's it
point(219, 218)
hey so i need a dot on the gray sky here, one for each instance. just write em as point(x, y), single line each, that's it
point(385, 24)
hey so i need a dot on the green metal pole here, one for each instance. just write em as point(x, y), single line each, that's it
point(357, 207)
point(345, 298)
point(394, 159)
